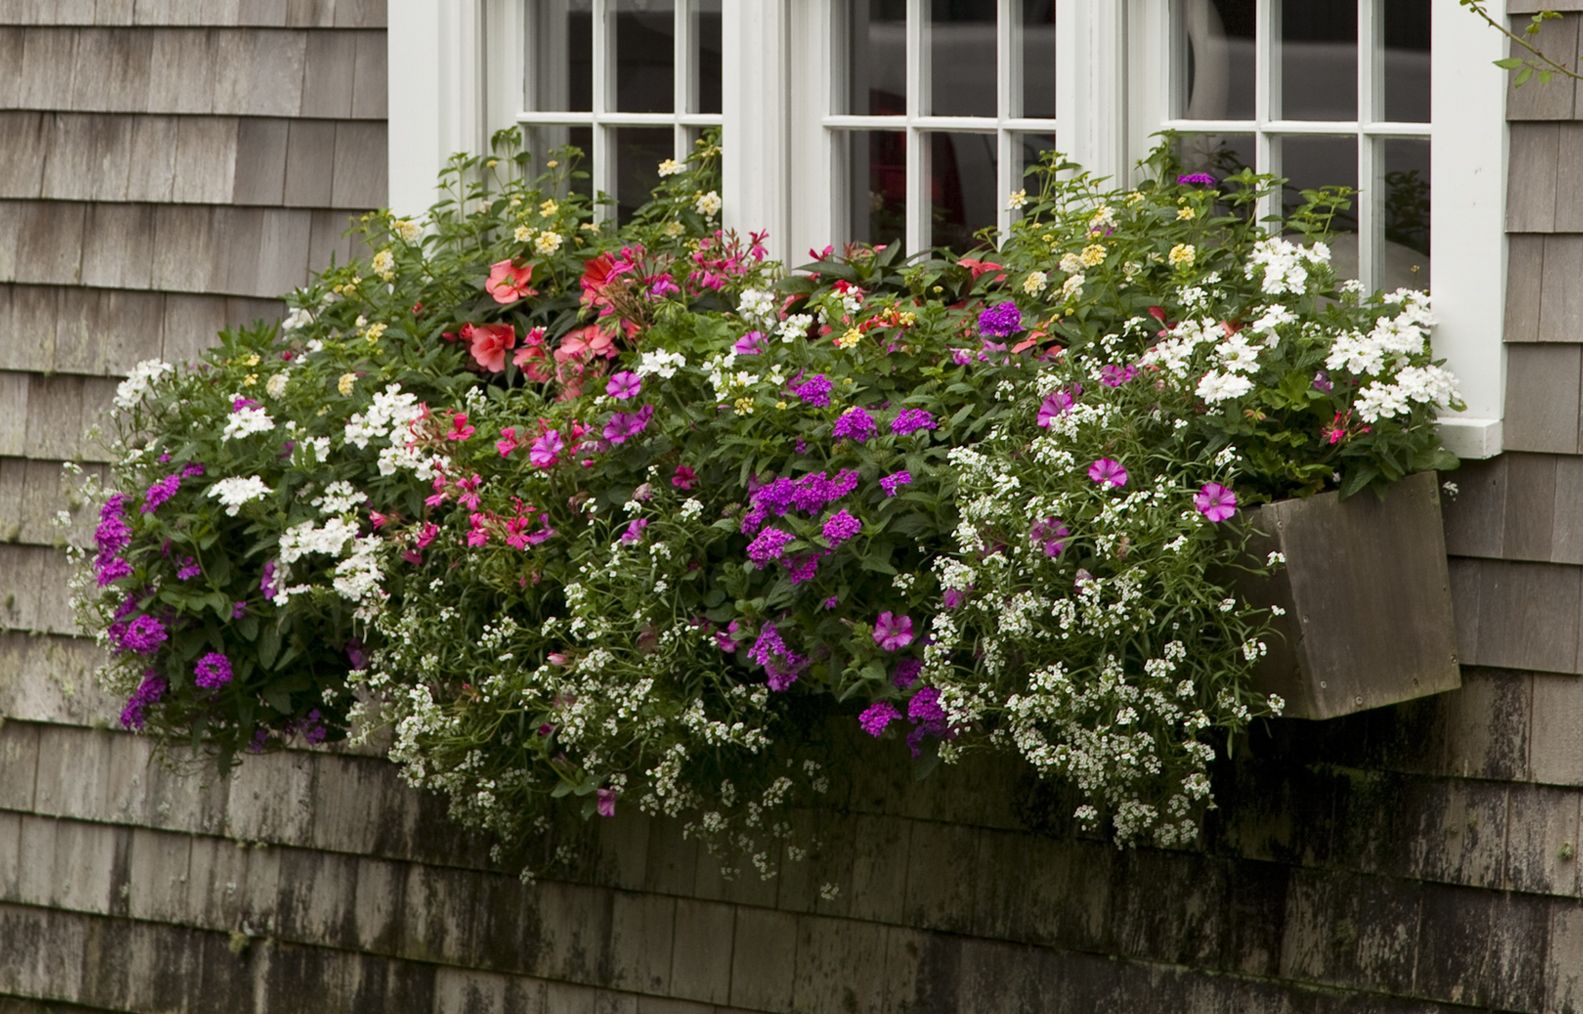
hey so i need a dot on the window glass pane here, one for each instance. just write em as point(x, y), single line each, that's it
point(1030, 148)
point(560, 48)
point(1038, 58)
point(704, 72)
point(542, 143)
point(877, 188)
point(1404, 190)
point(960, 39)
point(1406, 60)
point(1311, 162)
point(876, 64)
point(963, 196)
point(1319, 59)
point(643, 37)
point(1216, 55)
point(636, 156)
point(1219, 155)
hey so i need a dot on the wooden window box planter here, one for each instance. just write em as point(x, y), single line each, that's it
point(1367, 596)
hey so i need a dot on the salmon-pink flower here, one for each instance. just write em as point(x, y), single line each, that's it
point(892, 632)
point(1108, 473)
point(509, 283)
point(489, 344)
point(1215, 502)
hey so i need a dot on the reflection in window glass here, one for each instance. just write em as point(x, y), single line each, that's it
point(1312, 162)
point(1319, 59)
point(705, 69)
point(962, 60)
point(1038, 58)
point(876, 64)
point(637, 154)
point(963, 197)
point(543, 142)
point(1215, 47)
point(877, 189)
point(560, 37)
point(1406, 61)
point(1030, 149)
point(644, 36)
point(1404, 191)
point(1219, 155)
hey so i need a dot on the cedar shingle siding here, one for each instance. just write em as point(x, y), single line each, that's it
point(167, 167)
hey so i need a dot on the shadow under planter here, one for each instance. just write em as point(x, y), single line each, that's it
point(1367, 596)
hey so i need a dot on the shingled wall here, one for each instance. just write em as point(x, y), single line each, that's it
point(166, 167)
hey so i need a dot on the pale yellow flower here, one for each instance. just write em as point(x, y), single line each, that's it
point(251, 359)
point(781, 405)
point(670, 167)
point(1035, 282)
point(849, 339)
point(1182, 255)
point(374, 332)
point(743, 406)
point(552, 163)
point(673, 229)
point(548, 209)
point(385, 265)
point(547, 243)
point(1017, 199)
point(250, 380)
point(1185, 214)
point(1093, 255)
point(707, 205)
point(344, 385)
point(406, 229)
point(523, 233)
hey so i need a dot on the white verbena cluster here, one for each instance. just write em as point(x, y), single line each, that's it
point(235, 491)
point(143, 378)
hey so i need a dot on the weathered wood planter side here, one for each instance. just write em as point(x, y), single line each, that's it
point(1367, 596)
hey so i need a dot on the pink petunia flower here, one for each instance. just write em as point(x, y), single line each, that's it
point(546, 450)
point(605, 802)
point(892, 632)
point(460, 430)
point(683, 477)
point(624, 385)
point(1108, 473)
point(1055, 406)
point(1215, 502)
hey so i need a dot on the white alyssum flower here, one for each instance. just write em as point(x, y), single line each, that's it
point(131, 391)
point(236, 491)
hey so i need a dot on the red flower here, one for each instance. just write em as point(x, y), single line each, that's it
point(597, 274)
point(532, 358)
point(509, 283)
point(489, 343)
point(978, 267)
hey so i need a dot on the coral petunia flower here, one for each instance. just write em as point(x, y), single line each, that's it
point(509, 283)
point(489, 344)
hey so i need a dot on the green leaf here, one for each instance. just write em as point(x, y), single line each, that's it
point(269, 646)
point(278, 699)
point(1522, 77)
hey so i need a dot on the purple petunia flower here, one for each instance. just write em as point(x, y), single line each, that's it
point(814, 391)
point(750, 344)
point(911, 420)
point(546, 450)
point(1109, 473)
point(189, 570)
point(906, 673)
point(624, 385)
point(605, 802)
point(894, 481)
point(854, 424)
point(1048, 534)
point(831, 602)
point(213, 670)
point(1113, 375)
point(1191, 179)
point(623, 426)
point(876, 716)
point(1056, 405)
point(1215, 502)
point(892, 632)
point(1322, 382)
point(634, 532)
point(840, 527)
point(1000, 321)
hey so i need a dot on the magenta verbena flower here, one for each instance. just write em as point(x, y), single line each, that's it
point(113, 533)
point(814, 391)
point(147, 694)
point(213, 670)
point(854, 424)
point(802, 568)
point(268, 586)
point(624, 385)
point(781, 665)
point(876, 716)
point(906, 673)
point(143, 636)
point(892, 632)
point(159, 492)
point(1000, 321)
point(895, 481)
point(109, 569)
point(189, 570)
point(1322, 382)
point(925, 706)
point(911, 420)
point(1199, 179)
point(770, 544)
point(840, 527)
point(1215, 502)
point(1108, 473)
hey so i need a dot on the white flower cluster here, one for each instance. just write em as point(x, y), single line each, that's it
point(359, 577)
point(757, 307)
point(236, 491)
point(339, 497)
point(660, 363)
point(131, 391)
point(246, 421)
point(1285, 265)
point(390, 417)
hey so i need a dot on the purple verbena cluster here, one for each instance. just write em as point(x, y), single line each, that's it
point(213, 670)
point(147, 694)
point(808, 494)
point(911, 420)
point(854, 424)
point(814, 391)
point(1000, 321)
point(781, 664)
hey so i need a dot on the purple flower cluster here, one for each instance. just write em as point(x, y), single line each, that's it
point(147, 694)
point(1189, 179)
point(1112, 375)
point(769, 545)
point(895, 481)
point(854, 424)
point(923, 711)
point(801, 568)
point(634, 532)
point(910, 420)
point(142, 636)
point(809, 494)
point(906, 673)
point(189, 570)
point(782, 665)
point(840, 527)
point(1000, 321)
point(161, 491)
point(814, 391)
point(267, 583)
point(213, 670)
point(112, 535)
point(876, 716)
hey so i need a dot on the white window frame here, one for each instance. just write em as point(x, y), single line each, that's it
point(456, 69)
